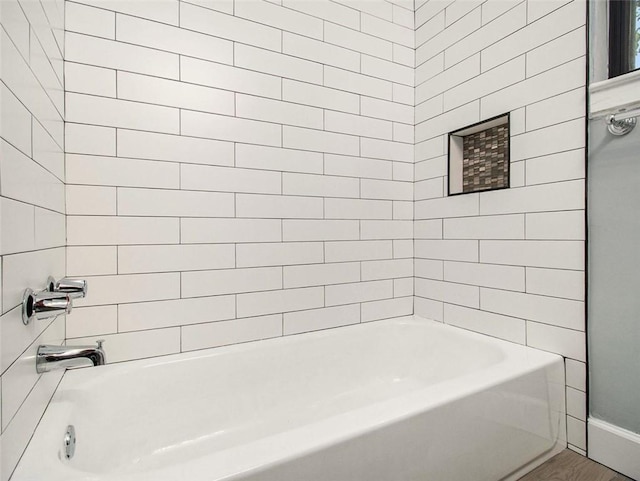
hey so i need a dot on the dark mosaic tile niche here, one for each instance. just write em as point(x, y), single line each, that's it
point(479, 157)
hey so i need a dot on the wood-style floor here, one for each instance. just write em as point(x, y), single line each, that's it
point(570, 466)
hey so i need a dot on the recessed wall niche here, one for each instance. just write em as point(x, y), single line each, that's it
point(479, 157)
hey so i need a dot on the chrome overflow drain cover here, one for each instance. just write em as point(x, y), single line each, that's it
point(70, 442)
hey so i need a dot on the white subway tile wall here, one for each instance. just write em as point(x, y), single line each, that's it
point(234, 170)
point(510, 263)
point(32, 207)
point(237, 170)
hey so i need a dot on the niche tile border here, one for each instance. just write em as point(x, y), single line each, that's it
point(478, 157)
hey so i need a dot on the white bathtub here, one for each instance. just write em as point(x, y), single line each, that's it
point(401, 399)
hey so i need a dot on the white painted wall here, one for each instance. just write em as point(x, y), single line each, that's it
point(508, 263)
point(32, 206)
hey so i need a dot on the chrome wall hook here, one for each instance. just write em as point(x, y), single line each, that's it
point(43, 305)
point(620, 127)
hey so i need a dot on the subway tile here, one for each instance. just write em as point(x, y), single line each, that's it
point(275, 158)
point(282, 18)
point(405, 56)
point(319, 51)
point(230, 281)
point(121, 56)
point(429, 269)
point(357, 125)
point(384, 149)
point(403, 170)
point(49, 229)
point(25, 180)
point(90, 139)
point(279, 254)
point(452, 250)
point(358, 292)
point(492, 9)
point(340, 79)
point(404, 15)
point(229, 78)
point(428, 70)
point(87, 79)
point(278, 206)
point(171, 258)
point(158, 91)
point(448, 292)
point(319, 96)
point(357, 209)
point(548, 310)
point(485, 227)
point(174, 203)
point(560, 79)
point(165, 11)
point(92, 321)
point(229, 179)
point(510, 278)
point(107, 112)
point(569, 225)
point(387, 269)
point(555, 138)
point(387, 308)
point(17, 213)
point(320, 230)
point(278, 112)
point(286, 300)
point(131, 288)
point(387, 30)
point(576, 404)
point(576, 374)
point(92, 261)
point(458, 206)
point(550, 254)
point(357, 167)
point(538, 198)
point(209, 231)
point(449, 121)
point(533, 35)
point(387, 70)
point(90, 200)
point(123, 172)
point(457, 10)
point(556, 282)
point(556, 167)
point(403, 133)
point(495, 325)
point(357, 250)
point(428, 308)
point(480, 39)
point(321, 274)
point(386, 229)
point(89, 20)
point(554, 53)
point(324, 318)
point(566, 342)
point(386, 110)
point(358, 41)
point(386, 189)
point(377, 9)
point(429, 188)
point(225, 6)
point(403, 94)
point(176, 148)
point(319, 185)
point(403, 287)
point(173, 39)
point(577, 433)
point(99, 230)
point(276, 63)
point(228, 27)
point(319, 141)
point(403, 248)
point(490, 81)
point(327, 10)
point(441, 81)
point(558, 109)
point(214, 334)
point(220, 127)
point(428, 229)
point(16, 121)
point(16, 24)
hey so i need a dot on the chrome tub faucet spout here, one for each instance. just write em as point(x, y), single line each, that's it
point(69, 357)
